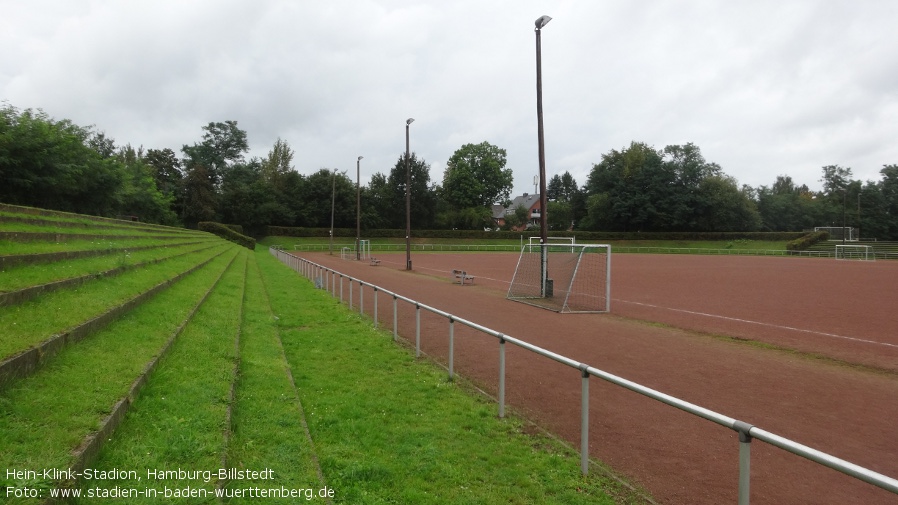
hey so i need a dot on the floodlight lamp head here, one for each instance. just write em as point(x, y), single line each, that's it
point(542, 21)
point(360, 158)
point(409, 121)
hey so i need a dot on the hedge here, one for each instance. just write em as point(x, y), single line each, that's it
point(582, 236)
point(227, 233)
point(806, 241)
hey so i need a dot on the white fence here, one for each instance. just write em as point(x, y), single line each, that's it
point(329, 279)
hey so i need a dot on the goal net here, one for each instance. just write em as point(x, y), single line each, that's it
point(855, 252)
point(564, 277)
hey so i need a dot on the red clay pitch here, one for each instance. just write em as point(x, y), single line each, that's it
point(844, 403)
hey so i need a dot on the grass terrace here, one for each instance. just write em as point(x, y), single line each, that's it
point(194, 353)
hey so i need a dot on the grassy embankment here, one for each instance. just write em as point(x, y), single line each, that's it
point(241, 364)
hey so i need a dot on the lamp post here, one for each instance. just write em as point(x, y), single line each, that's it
point(543, 201)
point(358, 211)
point(333, 198)
point(408, 201)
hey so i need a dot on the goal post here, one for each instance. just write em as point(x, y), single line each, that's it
point(855, 252)
point(577, 277)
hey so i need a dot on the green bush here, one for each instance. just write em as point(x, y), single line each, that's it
point(806, 241)
point(227, 233)
point(235, 227)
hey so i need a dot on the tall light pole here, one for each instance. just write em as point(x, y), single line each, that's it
point(358, 210)
point(543, 200)
point(408, 201)
point(333, 199)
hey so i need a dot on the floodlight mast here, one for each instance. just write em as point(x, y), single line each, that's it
point(543, 200)
point(408, 201)
point(358, 211)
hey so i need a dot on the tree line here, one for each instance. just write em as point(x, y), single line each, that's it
point(57, 164)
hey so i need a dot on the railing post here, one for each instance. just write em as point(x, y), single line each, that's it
point(501, 376)
point(350, 293)
point(417, 330)
point(395, 319)
point(584, 419)
point(375, 307)
point(361, 298)
point(341, 288)
point(743, 429)
point(451, 347)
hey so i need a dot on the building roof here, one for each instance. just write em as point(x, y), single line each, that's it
point(527, 200)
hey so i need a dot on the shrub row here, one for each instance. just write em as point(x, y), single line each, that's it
point(806, 241)
point(236, 227)
point(582, 236)
point(227, 233)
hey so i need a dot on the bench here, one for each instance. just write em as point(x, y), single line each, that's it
point(374, 261)
point(462, 276)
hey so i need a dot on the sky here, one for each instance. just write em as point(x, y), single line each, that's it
point(763, 88)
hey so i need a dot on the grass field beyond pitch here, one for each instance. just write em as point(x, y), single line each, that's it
point(515, 244)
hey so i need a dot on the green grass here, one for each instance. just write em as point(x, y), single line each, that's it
point(390, 429)
point(48, 414)
point(31, 322)
point(33, 275)
point(64, 222)
point(8, 247)
point(51, 227)
point(179, 419)
point(268, 426)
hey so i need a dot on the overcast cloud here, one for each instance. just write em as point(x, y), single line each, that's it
point(764, 88)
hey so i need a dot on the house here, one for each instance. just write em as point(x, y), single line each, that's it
point(528, 201)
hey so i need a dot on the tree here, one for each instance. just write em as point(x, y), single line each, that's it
point(559, 216)
point(166, 169)
point(51, 164)
point(317, 195)
point(838, 189)
point(476, 176)
point(278, 163)
point(249, 200)
point(787, 207)
point(888, 188)
point(724, 207)
point(199, 197)
point(634, 186)
point(562, 188)
point(223, 145)
point(422, 196)
point(138, 194)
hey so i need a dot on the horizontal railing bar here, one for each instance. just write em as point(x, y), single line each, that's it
point(667, 399)
point(828, 460)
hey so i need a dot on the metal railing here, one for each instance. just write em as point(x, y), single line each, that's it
point(328, 279)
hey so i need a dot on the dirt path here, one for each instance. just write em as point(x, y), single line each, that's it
point(848, 412)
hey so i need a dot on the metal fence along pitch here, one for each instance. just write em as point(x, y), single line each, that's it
point(747, 432)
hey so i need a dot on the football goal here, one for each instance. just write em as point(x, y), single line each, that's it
point(563, 276)
point(840, 232)
point(855, 252)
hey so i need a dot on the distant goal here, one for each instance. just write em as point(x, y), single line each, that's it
point(563, 276)
point(846, 233)
point(855, 252)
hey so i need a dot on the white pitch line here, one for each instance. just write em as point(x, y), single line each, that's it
point(831, 335)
